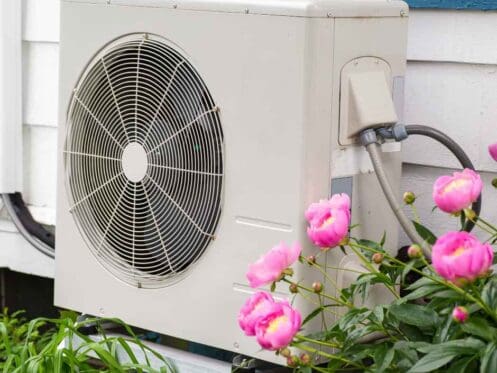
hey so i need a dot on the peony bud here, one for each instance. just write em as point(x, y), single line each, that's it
point(329, 221)
point(492, 150)
point(460, 314)
point(414, 252)
point(457, 192)
point(377, 258)
point(317, 287)
point(292, 361)
point(294, 289)
point(285, 352)
point(461, 258)
point(409, 198)
point(305, 359)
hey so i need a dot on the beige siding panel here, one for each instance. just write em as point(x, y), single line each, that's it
point(458, 99)
point(41, 20)
point(453, 35)
point(40, 83)
point(40, 152)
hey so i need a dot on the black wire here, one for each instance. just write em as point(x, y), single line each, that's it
point(462, 157)
point(32, 226)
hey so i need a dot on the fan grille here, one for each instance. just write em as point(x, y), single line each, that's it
point(144, 161)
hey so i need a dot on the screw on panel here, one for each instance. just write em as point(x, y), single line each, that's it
point(329, 14)
point(247, 11)
point(108, 2)
point(139, 285)
point(403, 13)
point(236, 345)
point(175, 6)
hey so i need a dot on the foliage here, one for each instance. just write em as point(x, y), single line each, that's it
point(58, 345)
point(416, 332)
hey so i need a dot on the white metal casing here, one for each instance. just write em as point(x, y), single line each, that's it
point(274, 70)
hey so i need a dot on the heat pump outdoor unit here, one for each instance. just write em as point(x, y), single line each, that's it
point(192, 137)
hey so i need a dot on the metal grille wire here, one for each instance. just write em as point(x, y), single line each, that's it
point(142, 90)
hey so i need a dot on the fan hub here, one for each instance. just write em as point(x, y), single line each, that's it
point(134, 162)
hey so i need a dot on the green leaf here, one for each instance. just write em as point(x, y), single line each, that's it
point(461, 365)
point(441, 354)
point(383, 358)
point(425, 233)
point(489, 293)
point(431, 362)
point(383, 238)
point(419, 293)
point(71, 315)
point(316, 312)
point(423, 281)
point(466, 346)
point(407, 269)
point(480, 327)
point(444, 331)
point(489, 359)
point(414, 314)
point(407, 350)
point(379, 313)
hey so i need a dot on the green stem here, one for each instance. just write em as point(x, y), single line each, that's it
point(318, 304)
point(415, 213)
point(310, 340)
point(323, 272)
point(327, 355)
point(339, 301)
point(491, 226)
point(369, 266)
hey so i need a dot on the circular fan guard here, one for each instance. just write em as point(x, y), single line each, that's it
point(144, 161)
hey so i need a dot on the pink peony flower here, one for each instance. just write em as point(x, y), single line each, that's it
point(492, 149)
point(460, 314)
point(329, 227)
point(270, 266)
point(329, 220)
point(457, 192)
point(277, 329)
point(256, 307)
point(337, 201)
point(459, 257)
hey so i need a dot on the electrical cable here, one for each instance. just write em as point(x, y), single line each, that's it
point(373, 150)
point(32, 231)
point(370, 139)
point(462, 157)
